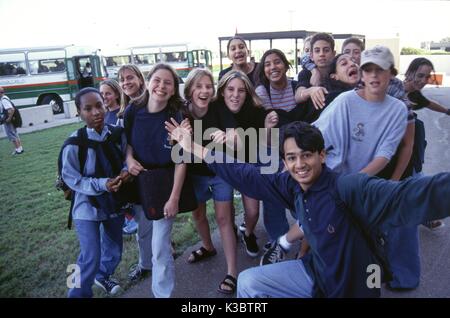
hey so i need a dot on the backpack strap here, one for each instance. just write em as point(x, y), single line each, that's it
point(374, 239)
point(79, 140)
point(293, 86)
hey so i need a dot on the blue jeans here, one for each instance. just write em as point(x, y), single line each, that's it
point(143, 237)
point(100, 252)
point(275, 221)
point(403, 257)
point(287, 279)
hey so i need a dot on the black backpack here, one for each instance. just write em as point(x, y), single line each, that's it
point(81, 140)
point(16, 118)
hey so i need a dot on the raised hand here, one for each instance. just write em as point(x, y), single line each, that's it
point(178, 133)
point(219, 136)
point(271, 120)
point(318, 96)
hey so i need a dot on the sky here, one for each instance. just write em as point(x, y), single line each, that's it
point(113, 23)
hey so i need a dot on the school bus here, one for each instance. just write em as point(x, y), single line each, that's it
point(182, 57)
point(49, 75)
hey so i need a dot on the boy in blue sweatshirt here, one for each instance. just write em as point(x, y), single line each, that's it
point(335, 212)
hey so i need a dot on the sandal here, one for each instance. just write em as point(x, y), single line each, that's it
point(200, 255)
point(228, 281)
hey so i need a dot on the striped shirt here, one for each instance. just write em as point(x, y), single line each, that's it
point(278, 99)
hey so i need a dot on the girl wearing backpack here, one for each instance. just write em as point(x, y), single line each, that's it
point(149, 148)
point(95, 208)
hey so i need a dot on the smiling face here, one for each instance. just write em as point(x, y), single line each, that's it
point(234, 95)
point(238, 52)
point(376, 82)
point(130, 83)
point(202, 92)
point(161, 86)
point(109, 97)
point(347, 71)
point(304, 166)
point(92, 110)
point(274, 68)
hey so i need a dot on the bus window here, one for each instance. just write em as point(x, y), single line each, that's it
point(12, 64)
point(46, 62)
point(47, 66)
point(145, 59)
point(202, 62)
point(117, 60)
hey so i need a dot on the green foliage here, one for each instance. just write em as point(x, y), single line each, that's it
point(412, 51)
point(35, 245)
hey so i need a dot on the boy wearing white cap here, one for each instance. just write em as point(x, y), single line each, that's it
point(362, 128)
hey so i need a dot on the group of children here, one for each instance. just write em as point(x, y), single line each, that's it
point(356, 127)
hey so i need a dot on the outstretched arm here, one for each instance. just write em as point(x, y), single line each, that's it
point(438, 108)
point(391, 203)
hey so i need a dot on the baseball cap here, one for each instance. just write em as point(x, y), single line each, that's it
point(379, 55)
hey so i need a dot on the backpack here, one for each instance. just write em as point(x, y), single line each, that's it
point(16, 118)
point(81, 140)
point(374, 237)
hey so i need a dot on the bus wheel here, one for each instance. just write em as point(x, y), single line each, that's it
point(54, 101)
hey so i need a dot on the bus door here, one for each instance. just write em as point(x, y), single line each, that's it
point(83, 71)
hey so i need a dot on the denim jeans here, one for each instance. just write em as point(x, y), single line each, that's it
point(275, 221)
point(403, 256)
point(285, 279)
point(100, 252)
point(154, 239)
point(143, 237)
point(163, 270)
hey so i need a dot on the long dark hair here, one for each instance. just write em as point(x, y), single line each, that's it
point(260, 76)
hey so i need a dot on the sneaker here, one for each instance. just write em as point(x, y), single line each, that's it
point(273, 255)
point(137, 273)
point(434, 225)
point(267, 246)
point(251, 247)
point(109, 285)
point(15, 152)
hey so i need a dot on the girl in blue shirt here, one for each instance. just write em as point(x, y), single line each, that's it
point(148, 148)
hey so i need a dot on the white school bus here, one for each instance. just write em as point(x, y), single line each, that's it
point(182, 57)
point(49, 75)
